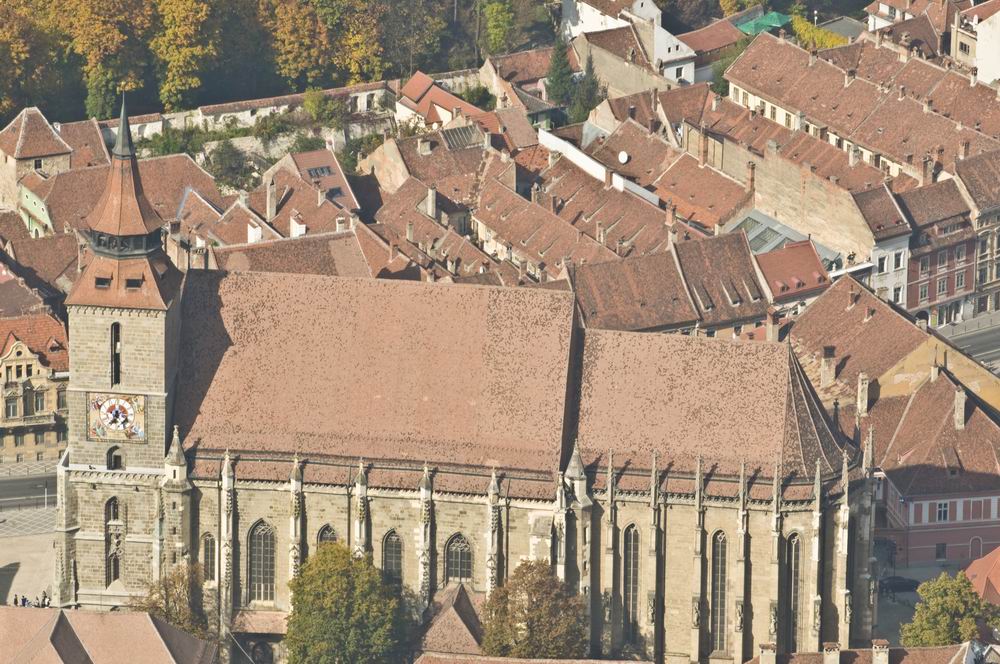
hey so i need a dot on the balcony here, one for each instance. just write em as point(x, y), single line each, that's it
point(34, 420)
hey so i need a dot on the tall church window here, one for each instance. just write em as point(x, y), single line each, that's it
point(326, 534)
point(719, 582)
point(261, 544)
point(458, 559)
point(112, 543)
point(630, 582)
point(111, 510)
point(792, 571)
point(392, 556)
point(115, 459)
point(116, 353)
point(208, 556)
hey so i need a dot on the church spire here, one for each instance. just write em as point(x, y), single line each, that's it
point(123, 144)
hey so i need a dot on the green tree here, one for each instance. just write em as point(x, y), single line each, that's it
point(499, 26)
point(305, 143)
point(535, 615)
point(720, 85)
point(480, 97)
point(811, 36)
point(411, 34)
point(947, 613)
point(590, 92)
point(269, 127)
point(184, 48)
point(344, 611)
point(228, 164)
point(559, 79)
point(176, 598)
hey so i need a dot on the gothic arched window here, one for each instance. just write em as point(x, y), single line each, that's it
point(115, 459)
point(630, 582)
point(116, 353)
point(458, 559)
point(792, 571)
point(392, 556)
point(208, 556)
point(112, 571)
point(719, 581)
point(111, 510)
point(261, 554)
point(326, 534)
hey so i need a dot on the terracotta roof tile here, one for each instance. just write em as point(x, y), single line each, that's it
point(621, 42)
point(703, 196)
point(935, 202)
point(43, 334)
point(298, 201)
point(16, 297)
point(48, 262)
point(930, 655)
point(722, 279)
point(527, 67)
point(423, 95)
point(284, 100)
point(634, 152)
point(981, 176)
point(455, 626)
point(984, 573)
point(334, 254)
point(480, 364)
point(87, 142)
point(322, 168)
point(881, 213)
point(714, 36)
point(794, 271)
point(30, 136)
point(237, 225)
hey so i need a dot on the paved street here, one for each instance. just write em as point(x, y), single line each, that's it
point(983, 345)
point(18, 493)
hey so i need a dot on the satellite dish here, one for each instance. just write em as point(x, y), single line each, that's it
point(623, 157)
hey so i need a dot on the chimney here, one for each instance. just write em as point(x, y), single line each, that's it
point(671, 214)
point(702, 146)
point(243, 197)
point(781, 35)
point(848, 77)
point(608, 175)
point(392, 251)
point(812, 57)
point(880, 651)
point(878, 39)
point(272, 199)
point(432, 202)
point(935, 371)
point(852, 157)
point(487, 142)
point(600, 233)
point(959, 409)
point(771, 324)
point(620, 247)
point(926, 171)
point(922, 324)
point(631, 111)
point(973, 75)
point(320, 195)
point(768, 653)
point(423, 146)
point(831, 649)
point(902, 92)
point(862, 394)
point(715, 102)
point(751, 176)
point(965, 149)
point(409, 231)
point(653, 101)
point(927, 105)
point(828, 369)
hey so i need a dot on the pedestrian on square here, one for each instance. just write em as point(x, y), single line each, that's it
point(24, 600)
point(15, 600)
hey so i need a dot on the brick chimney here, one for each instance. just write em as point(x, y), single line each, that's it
point(653, 101)
point(768, 653)
point(423, 146)
point(272, 199)
point(973, 76)
point(960, 409)
point(751, 176)
point(965, 149)
point(828, 367)
point(608, 177)
point(880, 651)
point(831, 652)
point(902, 92)
point(852, 157)
point(409, 231)
point(863, 394)
point(771, 324)
point(812, 57)
point(848, 77)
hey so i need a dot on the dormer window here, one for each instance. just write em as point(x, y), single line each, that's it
point(102, 282)
point(133, 283)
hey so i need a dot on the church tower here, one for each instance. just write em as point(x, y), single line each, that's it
point(124, 321)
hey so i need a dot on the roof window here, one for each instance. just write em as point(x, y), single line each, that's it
point(102, 282)
point(133, 283)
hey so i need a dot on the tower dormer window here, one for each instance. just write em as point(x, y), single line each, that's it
point(115, 459)
point(116, 353)
point(102, 282)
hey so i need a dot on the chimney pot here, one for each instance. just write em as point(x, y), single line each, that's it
point(973, 76)
point(431, 206)
point(880, 651)
point(828, 367)
point(272, 199)
point(768, 653)
point(751, 176)
point(831, 653)
point(409, 231)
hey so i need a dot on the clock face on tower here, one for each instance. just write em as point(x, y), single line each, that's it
point(116, 417)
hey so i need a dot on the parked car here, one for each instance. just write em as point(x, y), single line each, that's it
point(897, 584)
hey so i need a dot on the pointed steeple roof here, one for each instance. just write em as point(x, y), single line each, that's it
point(123, 209)
point(123, 143)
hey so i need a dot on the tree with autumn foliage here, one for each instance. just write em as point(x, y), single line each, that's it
point(535, 615)
point(949, 612)
point(176, 598)
point(184, 46)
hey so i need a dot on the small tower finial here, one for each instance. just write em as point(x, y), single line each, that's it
point(123, 143)
point(175, 455)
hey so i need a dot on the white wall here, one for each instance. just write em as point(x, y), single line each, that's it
point(892, 278)
point(578, 17)
point(988, 49)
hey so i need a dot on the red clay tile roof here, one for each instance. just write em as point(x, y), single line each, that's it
point(55, 636)
point(333, 254)
point(455, 172)
point(915, 33)
point(87, 142)
point(758, 384)
point(527, 67)
point(984, 573)
point(722, 279)
point(983, 10)
point(72, 195)
point(12, 227)
point(702, 196)
point(882, 214)
point(422, 95)
point(236, 225)
point(712, 37)
point(300, 201)
point(43, 334)
point(634, 152)
point(123, 209)
point(159, 282)
point(935, 202)
point(862, 343)
point(29, 136)
point(442, 658)
point(641, 293)
point(48, 262)
point(794, 271)
point(419, 370)
point(328, 173)
point(621, 42)
point(284, 100)
point(455, 627)
point(981, 176)
point(16, 297)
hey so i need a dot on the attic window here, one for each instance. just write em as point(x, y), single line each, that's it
point(133, 282)
point(102, 282)
point(319, 172)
